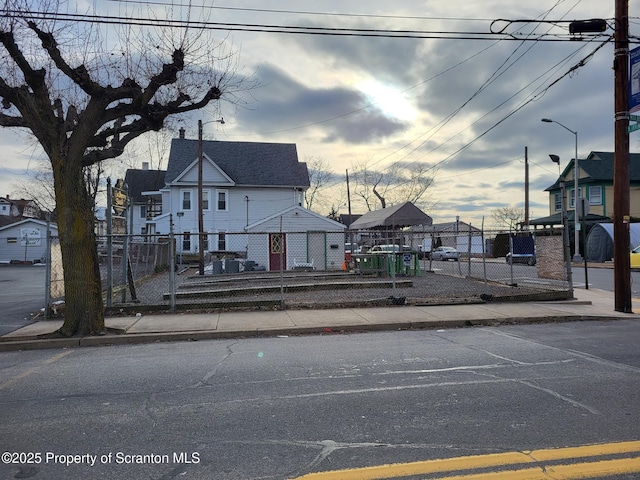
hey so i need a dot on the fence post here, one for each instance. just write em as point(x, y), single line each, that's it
point(281, 265)
point(484, 252)
point(109, 244)
point(565, 240)
point(511, 257)
point(172, 266)
point(469, 253)
point(47, 278)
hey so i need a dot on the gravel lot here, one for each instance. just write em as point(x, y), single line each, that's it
point(327, 290)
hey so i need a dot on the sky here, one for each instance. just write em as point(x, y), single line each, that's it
point(465, 109)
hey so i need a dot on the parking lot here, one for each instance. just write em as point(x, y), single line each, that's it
point(22, 293)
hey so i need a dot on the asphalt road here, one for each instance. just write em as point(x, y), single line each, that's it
point(22, 293)
point(276, 408)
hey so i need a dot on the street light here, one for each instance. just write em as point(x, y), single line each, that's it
point(576, 257)
point(200, 215)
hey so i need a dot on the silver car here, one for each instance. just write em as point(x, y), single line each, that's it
point(445, 253)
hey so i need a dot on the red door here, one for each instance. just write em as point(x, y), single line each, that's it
point(277, 251)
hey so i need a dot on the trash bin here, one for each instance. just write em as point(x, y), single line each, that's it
point(216, 267)
point(232, 266)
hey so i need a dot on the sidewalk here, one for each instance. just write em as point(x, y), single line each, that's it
point(589, 304)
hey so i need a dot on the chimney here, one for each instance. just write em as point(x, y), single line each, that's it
point(145, 165)
point(181, 133)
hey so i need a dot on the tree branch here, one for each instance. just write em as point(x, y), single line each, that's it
point(34, 78)
point(79, 75)
point(10, 121)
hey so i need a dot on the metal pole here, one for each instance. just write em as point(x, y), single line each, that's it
point(576, 223)
point(565, 239)
point(621, 195)
point(200, 218)
point(576, 168)
point(172, 265)
point(109, 243)
point(526, 188)
point(47, 278)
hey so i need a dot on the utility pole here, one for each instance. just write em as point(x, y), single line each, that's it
point(200, 198)
point(621, 197)
point(349, 206)
point(526, 189)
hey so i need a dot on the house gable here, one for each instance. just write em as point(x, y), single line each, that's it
point(296, 218)
point(212, 174)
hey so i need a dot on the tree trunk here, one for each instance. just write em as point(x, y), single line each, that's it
point(84, 309)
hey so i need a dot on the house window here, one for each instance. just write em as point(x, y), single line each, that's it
point(186, 199)
point(558, 202)
point(143, 211)
point(595, 195)
point(186, 242)
point(572, 196)
point(222, 241)
point(205, 200)
point(222, 202)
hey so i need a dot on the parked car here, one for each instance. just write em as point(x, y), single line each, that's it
point(526, 258)
point(445, 253)
point(634, 257)
point(389, 248)
point(348, 249)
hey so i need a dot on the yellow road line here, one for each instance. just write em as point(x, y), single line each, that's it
point(477, 461)
point(26, 373)
point(575, 471)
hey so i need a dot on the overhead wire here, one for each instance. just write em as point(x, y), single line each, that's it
point(266, 28)
point(300, 12)
point(496, 74)
point(488, 81)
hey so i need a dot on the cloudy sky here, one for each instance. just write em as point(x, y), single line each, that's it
point(463, 103)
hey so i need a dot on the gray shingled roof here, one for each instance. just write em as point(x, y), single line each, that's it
point(599, 168)
point(143, 181)
point(246, 163)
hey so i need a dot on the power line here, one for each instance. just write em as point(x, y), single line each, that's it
point(286, 29)
point(302, 12)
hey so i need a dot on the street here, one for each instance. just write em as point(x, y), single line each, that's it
point(289, 406)
point(22, 293)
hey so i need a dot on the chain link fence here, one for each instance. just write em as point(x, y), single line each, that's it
point(276, 270)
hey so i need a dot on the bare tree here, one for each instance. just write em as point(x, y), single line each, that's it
point(365, 180)
point(85, 99)
point(508, 217)
point(320, 175)
point(396, 184)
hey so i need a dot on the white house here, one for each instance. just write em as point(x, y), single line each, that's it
point(25, 241)
point(246, 186)
point(13, 210)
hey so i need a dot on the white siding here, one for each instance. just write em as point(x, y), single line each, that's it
point(24, 241)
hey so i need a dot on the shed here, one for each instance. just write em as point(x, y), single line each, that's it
point(600, 241)
point(25, 241)
point(298, 236)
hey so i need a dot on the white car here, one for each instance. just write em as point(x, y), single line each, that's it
point(445, 253)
